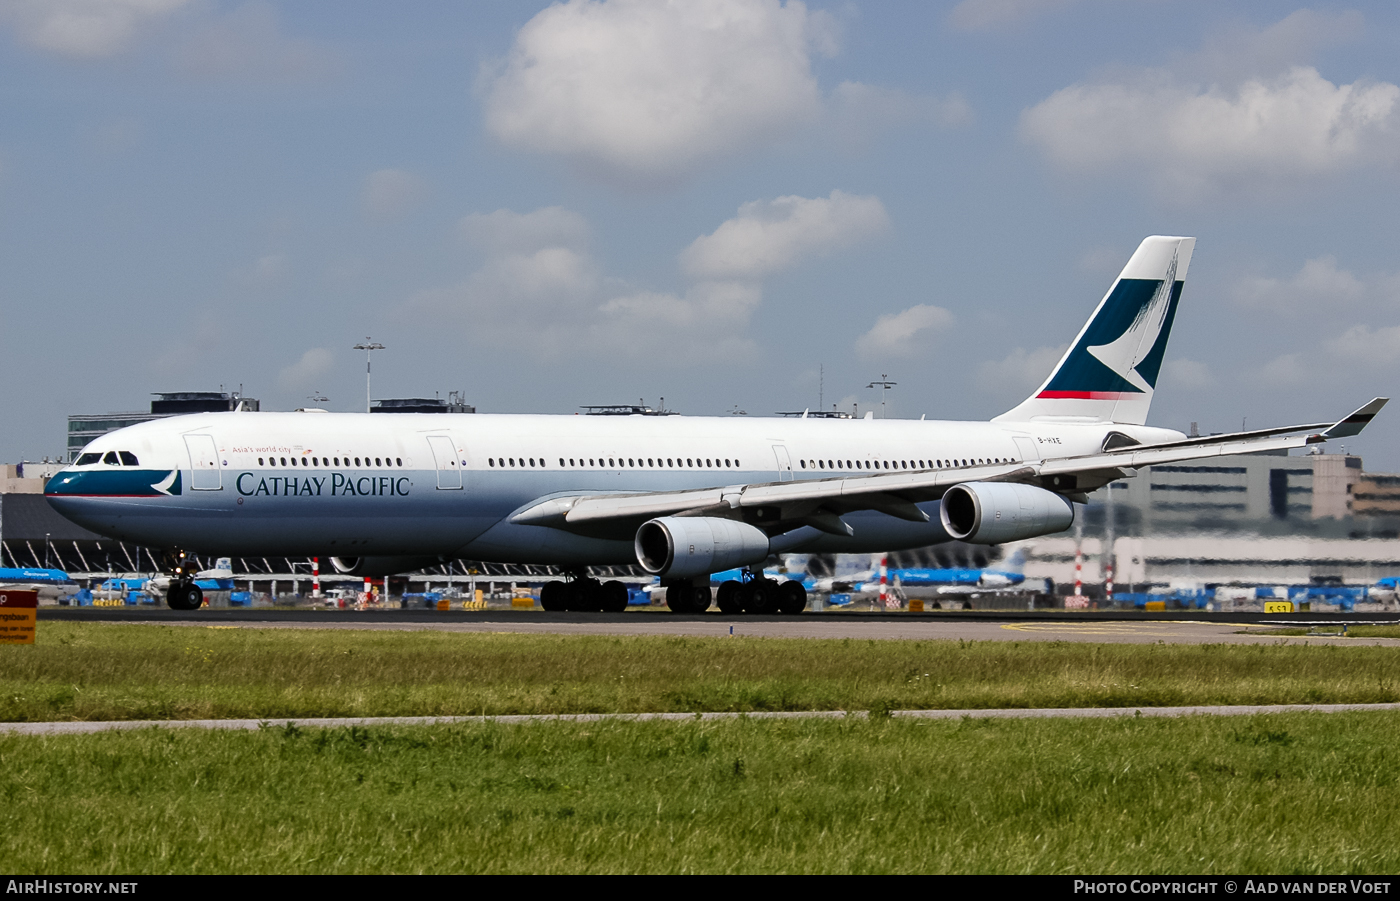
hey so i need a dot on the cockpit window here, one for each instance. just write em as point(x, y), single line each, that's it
point(88, 459)
point(128, 458)
point(111, 459)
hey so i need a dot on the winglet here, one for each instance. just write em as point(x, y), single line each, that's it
point(1353, 424)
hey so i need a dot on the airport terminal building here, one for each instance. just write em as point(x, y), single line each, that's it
point(1256, 519)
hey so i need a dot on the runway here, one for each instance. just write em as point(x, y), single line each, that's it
point(1116, 628)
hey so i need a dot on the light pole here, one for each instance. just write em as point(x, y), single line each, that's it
point(368, 347)
point(885, 385)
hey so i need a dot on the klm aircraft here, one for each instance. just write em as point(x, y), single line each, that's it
point(682, 496)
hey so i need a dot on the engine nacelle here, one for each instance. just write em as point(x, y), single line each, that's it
point(679, 547)
point(995, 512)
point(380, 566)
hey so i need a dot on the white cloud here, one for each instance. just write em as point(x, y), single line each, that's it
point(1186, 375)
point(83, 29)
point(539, 286)
point(644, 93)
point(978, 15)
point(1236, 53)
point(1020, 371)
point(1188, 140)
point(903, 334)
point(1338, 360)
point(528, 289)
point(506, 231)
point(391, 193)
point(711, 315)
point(301, 375)
point(248, 43)
point(1284, 371)
point(1319, 282)
point(769, 236)
point(1246, 111)
point(1364, 345)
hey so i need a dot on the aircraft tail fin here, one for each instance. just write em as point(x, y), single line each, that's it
point(1110, 371)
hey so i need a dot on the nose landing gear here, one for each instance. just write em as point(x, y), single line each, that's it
point(182, 594)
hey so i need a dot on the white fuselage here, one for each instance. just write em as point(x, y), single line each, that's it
point(355, 484)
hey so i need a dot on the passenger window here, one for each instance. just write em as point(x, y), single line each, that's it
point(260, 461)
point(490, 461)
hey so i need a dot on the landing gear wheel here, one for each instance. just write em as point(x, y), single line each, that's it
point(184, 596)
point(678, 597)
point(730, 597)
point(614, 597)
point(554, 596)
point(761, 596)
point(700, 596)
point(587, 596)
point(792, 598)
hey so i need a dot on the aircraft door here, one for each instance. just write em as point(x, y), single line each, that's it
point(780, 453)
point(205, 474)
point(449, 464)
point(1026, 446)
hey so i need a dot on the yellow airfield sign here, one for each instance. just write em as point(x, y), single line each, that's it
point(18, 610)
point(1278, 606)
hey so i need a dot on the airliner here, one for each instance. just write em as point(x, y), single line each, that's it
point(682, 496)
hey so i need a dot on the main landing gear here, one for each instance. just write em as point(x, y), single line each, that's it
point(585, 595)
point(687, 595)
point(759, 594)
point(182, 594)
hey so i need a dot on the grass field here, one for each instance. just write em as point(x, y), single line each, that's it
point(1354, 631)
point(1286, 793)
point(89, 671)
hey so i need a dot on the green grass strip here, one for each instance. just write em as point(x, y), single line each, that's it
point(1286, 793)
point(87, 671)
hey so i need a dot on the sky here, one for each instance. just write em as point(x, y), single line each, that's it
point(737, 205)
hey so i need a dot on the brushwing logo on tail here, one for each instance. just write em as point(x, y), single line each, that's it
point(1132, 347)
point(1120, 354)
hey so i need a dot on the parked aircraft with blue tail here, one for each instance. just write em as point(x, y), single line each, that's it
point(950, 581)
point(682, 496)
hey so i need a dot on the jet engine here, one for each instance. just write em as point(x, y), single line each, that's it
point(380, 566)
point(679, 547)
point(995, 512)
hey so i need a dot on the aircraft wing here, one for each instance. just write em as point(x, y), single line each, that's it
point(781, 506)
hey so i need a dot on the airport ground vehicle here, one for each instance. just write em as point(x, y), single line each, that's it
point(682, 496)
